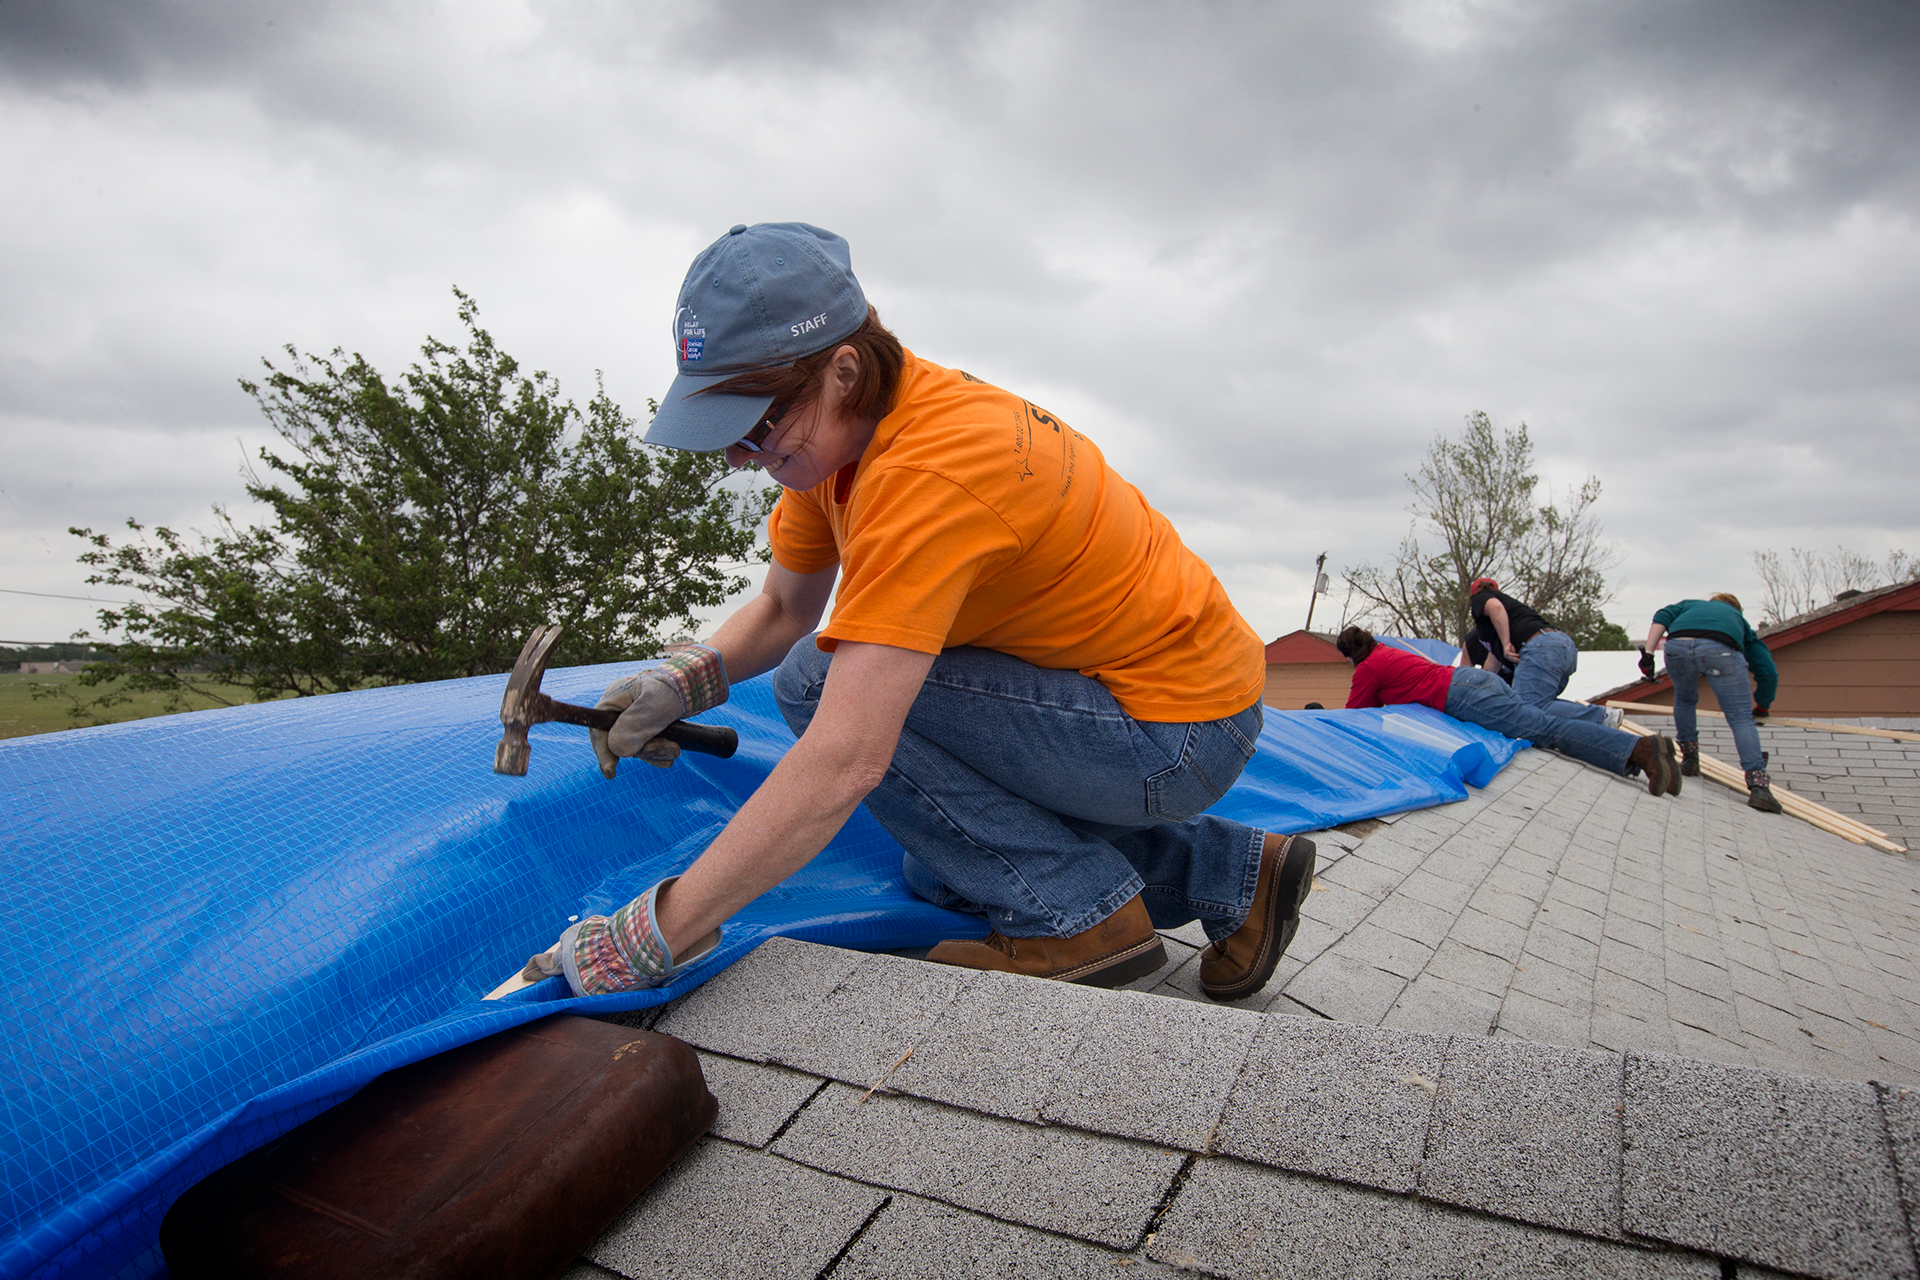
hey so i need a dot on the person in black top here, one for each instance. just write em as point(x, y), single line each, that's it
point(1475, 654)
point(1543, 658)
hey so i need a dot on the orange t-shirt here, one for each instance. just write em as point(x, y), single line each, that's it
point(976, 518)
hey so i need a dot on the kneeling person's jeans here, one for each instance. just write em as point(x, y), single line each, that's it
point(1029, 796)
point(1482, 698)
point(1692, 658)
point(1546, 664)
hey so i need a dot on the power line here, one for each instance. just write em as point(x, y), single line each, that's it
point(50, 595)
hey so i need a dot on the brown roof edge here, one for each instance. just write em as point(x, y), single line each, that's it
point(1638, 691)
point(1303, 646)
point(1899, 597)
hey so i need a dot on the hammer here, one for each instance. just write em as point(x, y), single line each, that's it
point(524, 705)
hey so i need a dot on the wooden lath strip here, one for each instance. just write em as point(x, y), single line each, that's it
point(1800, 807)
point(1825, 726)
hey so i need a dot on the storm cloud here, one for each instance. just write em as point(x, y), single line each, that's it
point(1260, 254)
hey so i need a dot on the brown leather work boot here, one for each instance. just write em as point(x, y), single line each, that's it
point(1118, 949)
point(1656, 757)
point(1243, 962)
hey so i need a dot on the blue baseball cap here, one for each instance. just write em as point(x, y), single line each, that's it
point(759, 297)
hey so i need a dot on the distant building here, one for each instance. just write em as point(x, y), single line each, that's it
point(1859, 656)
point(50, 668)
point(1303, 667)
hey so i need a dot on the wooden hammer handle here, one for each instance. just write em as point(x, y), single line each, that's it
point(708, 739)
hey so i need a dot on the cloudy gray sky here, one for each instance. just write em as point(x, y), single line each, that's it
point(1260, 253)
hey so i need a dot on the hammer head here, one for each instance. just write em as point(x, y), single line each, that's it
point(517, 704)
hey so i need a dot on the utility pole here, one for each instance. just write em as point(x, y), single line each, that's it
point(1319, 588)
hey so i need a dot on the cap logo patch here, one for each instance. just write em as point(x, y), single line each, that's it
point(808, 326)
point(692, 336)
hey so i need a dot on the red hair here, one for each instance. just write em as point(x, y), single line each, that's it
point(797, 385)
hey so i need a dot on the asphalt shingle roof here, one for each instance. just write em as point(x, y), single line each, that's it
point(1876, 780)
point(1560, 1028)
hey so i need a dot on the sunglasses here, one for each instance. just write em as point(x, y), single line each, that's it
point(752, 441)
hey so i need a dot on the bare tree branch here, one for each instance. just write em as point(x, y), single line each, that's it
point(1474, 498)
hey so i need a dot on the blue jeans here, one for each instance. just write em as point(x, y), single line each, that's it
point(1691, 657)
point(1029, 797)
point(1482, 698)
point(1545, 666)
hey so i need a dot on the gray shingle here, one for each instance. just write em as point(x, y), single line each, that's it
point(1236, 1220)
point(1155, 1070)
point(1338, 986)
point(748, 1009)
point(1491, 934)
point(1439, 1007)
point(1193, 933)
point(1402, 957)
point(1078, 1184)
point(1449, 897)
point(1469, 966)
point(1533, 1017)
point(1528, 1131)
point(917, 1239)
point(1361, 874)
point(1385, 850)
point(1336, 906)
point(861, 1027)
point(754, 1100)
point(1901, 1107)
point(1178, 953)
point(1780, 1170)
point(724, 1211)
point(1336, 1100)
point(1002, 1044)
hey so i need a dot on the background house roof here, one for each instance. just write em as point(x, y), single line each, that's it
point(1899, 596)
point(1303, 646)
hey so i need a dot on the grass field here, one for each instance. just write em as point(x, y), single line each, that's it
point(22, 714)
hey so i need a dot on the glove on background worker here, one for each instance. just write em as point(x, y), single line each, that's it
point(691, 679)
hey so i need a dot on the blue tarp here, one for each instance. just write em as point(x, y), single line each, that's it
point(1432, 650)
point(218, 925)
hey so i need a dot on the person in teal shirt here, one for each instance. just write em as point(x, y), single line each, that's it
point(1710, 639)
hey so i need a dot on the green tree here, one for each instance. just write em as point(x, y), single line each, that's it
point(1603, 635)
point(420, 529)
point(1474, 503)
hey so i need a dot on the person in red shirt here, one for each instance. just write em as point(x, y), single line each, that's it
point(1384, 676)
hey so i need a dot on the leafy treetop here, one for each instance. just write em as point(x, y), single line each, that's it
point(421, 528)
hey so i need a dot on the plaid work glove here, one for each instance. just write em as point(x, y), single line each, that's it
point(689, 680)
point(624, 952)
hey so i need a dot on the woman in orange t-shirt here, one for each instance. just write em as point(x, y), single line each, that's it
point(1027, 678)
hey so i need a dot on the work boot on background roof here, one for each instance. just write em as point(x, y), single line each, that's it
point(1239, 965)
point(1760, 792)
point(1654, 755)
point(1119, 949)
point(1689, 759)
